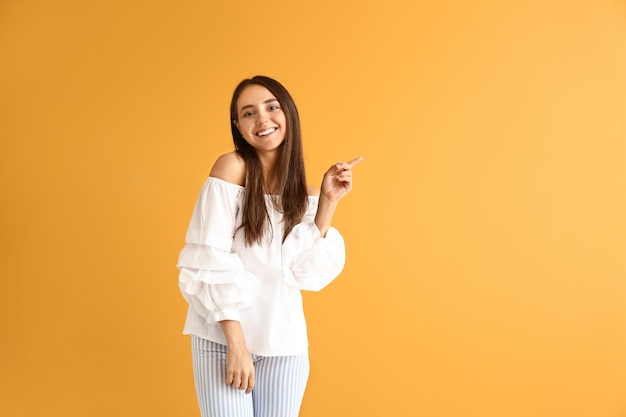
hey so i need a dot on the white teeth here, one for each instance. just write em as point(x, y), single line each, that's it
point(267, 131)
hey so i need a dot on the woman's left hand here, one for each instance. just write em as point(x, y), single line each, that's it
point(337, 180)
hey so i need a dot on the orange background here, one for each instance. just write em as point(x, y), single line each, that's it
point(486, 272)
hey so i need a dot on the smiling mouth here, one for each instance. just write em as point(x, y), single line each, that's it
point(267, 132)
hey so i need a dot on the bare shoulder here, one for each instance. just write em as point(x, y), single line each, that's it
point(312, 191)
point(230, 167)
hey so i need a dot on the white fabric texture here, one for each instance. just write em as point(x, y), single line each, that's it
point(259, 285)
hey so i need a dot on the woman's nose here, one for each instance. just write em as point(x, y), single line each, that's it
point(261, 118)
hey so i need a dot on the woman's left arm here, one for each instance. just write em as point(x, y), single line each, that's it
point(336, 184)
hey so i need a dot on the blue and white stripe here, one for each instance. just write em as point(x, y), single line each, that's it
point(280, 382)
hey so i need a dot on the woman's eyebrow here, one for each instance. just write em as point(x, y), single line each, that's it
point(247, 106)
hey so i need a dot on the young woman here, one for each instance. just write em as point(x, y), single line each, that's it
point(257, 237)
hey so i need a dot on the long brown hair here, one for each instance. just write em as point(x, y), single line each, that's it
point(287, 175)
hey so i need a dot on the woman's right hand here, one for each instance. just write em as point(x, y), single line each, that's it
point(239, 368)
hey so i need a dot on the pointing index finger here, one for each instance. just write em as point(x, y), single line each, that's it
point(355, 161)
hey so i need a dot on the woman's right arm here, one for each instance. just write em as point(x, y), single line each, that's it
point(207, 260)
point(239, 366)
point(230, 167)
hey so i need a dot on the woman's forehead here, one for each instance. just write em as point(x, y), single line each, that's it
point(254, 94)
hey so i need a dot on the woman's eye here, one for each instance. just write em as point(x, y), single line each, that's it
point(248, 114)
point(274, 107)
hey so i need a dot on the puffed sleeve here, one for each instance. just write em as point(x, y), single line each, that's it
point(309, 261)
point(212, 278)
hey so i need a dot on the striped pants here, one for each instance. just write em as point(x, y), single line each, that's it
point(279, 383)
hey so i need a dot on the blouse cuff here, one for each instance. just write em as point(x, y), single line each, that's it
point(311, 262)
point(225, 314)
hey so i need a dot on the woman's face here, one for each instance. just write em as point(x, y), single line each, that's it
point(260, 119)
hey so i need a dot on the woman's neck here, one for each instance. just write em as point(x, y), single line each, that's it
point(268, 161)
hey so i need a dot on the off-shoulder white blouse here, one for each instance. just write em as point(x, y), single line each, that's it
point(223, 279)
